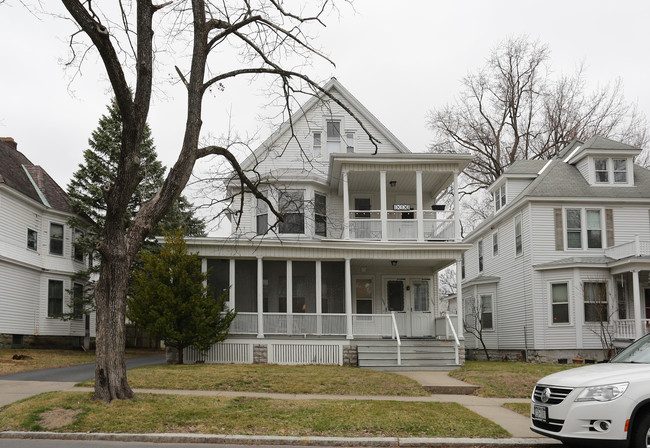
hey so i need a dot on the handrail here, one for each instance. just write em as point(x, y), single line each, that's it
point(399, 341)
point(453, 331)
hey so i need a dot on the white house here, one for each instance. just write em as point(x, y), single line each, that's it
point(37, 257)
point(561, 268)
point(355, 261)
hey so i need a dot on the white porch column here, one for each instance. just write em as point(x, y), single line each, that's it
point(204, 269)
point(319, 298)
point(346, 207)
point(419, 205)
point(348, 298)
point(459, 299)
point(638, 310)
point(289, 297)
point(260, 298)
point(383, 213)
point(456, 209)
point(231, 280)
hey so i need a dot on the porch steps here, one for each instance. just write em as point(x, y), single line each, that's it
point(416, 354)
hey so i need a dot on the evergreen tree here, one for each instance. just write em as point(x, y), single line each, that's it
point(171, 300)
point(99, 171)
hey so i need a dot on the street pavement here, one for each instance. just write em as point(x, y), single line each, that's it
point(17, 386)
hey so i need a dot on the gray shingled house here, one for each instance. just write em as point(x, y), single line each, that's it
point(560, 270)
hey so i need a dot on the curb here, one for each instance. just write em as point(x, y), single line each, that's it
point(411, 442)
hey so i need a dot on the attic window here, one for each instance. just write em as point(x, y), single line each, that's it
point(333, 137)
point(620, 171)
point(602, 173)
point(317, 144)
point(500, 198)
point(349, 141)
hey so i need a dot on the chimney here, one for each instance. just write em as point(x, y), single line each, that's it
point(10, 141)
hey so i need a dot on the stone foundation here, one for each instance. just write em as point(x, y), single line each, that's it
point(350, 356)
point(260, 354)
point(43, 342)
point(537, 356)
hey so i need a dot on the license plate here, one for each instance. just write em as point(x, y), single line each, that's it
point(540, 413)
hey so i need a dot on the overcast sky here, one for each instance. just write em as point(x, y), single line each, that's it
point(400, 59)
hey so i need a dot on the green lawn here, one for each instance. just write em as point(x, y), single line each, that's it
point(307, 379)
point(505, 379)
point(249, 416)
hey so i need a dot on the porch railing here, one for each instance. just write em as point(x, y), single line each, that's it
point(634, 248)
point(402, 225)
point(450, 326)
point(625, 328)
point(396, 336)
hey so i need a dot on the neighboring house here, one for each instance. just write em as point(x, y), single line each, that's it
point(357, 254)
point(37, 257)
point(560, 270)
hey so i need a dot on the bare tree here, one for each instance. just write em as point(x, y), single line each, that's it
point(262, 35)
point(599, 312)
point(476, 320)
point(511, 109)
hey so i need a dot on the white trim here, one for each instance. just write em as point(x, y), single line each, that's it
point(549, 302)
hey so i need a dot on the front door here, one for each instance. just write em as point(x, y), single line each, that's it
point(409, 298)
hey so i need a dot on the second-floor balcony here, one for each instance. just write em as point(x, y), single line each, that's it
point(634, 248)
point(402, 225)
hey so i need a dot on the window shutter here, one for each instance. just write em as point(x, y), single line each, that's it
point(609, 226)
point(559, 230)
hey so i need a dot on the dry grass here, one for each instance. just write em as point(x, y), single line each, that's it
point(505, 379)
point(519, 408)
point(306, 379)
point(252, 416)
point(46, 359)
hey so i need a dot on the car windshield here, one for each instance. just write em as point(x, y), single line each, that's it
point(638, 351)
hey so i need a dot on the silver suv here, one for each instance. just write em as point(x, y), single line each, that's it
point(604, 404)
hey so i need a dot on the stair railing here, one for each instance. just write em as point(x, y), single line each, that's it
point(453, 332)
point(395, 335)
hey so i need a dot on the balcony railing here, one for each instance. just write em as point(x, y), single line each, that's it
point(402, 225)
point(636, 248)
point(625, 328)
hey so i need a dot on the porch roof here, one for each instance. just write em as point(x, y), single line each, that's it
point(592, 262)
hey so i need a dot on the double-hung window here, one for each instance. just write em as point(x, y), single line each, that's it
point(320, 214)
point(574, 228)
point(292, 208)
point(333, 137)
point(480, 255)
point(262, 221)
point(56, 239)
point(595, 298)
point(519, 247)
point(602, 171)
point(560, 303)
point(317, 145)
point(487, 315)
point(500, 198)
point(349, 141)
point(32, 239)
point(54, 298)
point(620, 171)
point(594, 232)
point(495, 244)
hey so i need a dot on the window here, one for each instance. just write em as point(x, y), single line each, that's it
point(573, 229)
point(317, 145)
point(32, 239)
point(362, 204)
point(77, 300)
point(595, 297)
point(519, 248)
point(77, 250)
point(560, 303)
point(620, 171)
point(500, 197)
point(480, 256)
point(56, 239)
point(602, 172)
point(54, 298)
point(262, 221)
point(333, 137)
point(594, 234)
point(320, 214)
point(363, 295)
point(349, 141)
point(487, 317)
point(462, 265)
point(495, 244)
point(293, 209)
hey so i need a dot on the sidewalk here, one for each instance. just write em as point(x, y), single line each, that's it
point(490, 408)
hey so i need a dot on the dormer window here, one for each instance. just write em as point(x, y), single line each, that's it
point(500, 198)
point(620, 171)
point(602, 172)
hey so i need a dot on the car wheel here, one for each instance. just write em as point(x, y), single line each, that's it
point(641, 434)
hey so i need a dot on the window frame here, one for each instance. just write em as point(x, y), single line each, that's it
point(77, 310)
point(370, 299)
point(599, 229)
point(350, 141)
point(77, 252)
point(519, 240)
point(261, 210)
point(479, 250)
point(586, 301)
point(51, 305)
point(495, 243)
point(552, 304)
point(604, 171)
point(333, 141)
point(286, 227)
point(615, 171)
point(491, 312)
point(317, 149)
point(59, 241)
point(500, 198)
point(320, 215)
point(573, 230)
point(33, 240)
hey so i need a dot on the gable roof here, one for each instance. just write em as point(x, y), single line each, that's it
point(332, 86)
point(20, 174)
point(595, 144)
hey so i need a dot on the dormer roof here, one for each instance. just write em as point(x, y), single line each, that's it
point(597, 145)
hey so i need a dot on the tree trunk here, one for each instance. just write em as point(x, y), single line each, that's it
point(110, 296)
point(180, 355)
